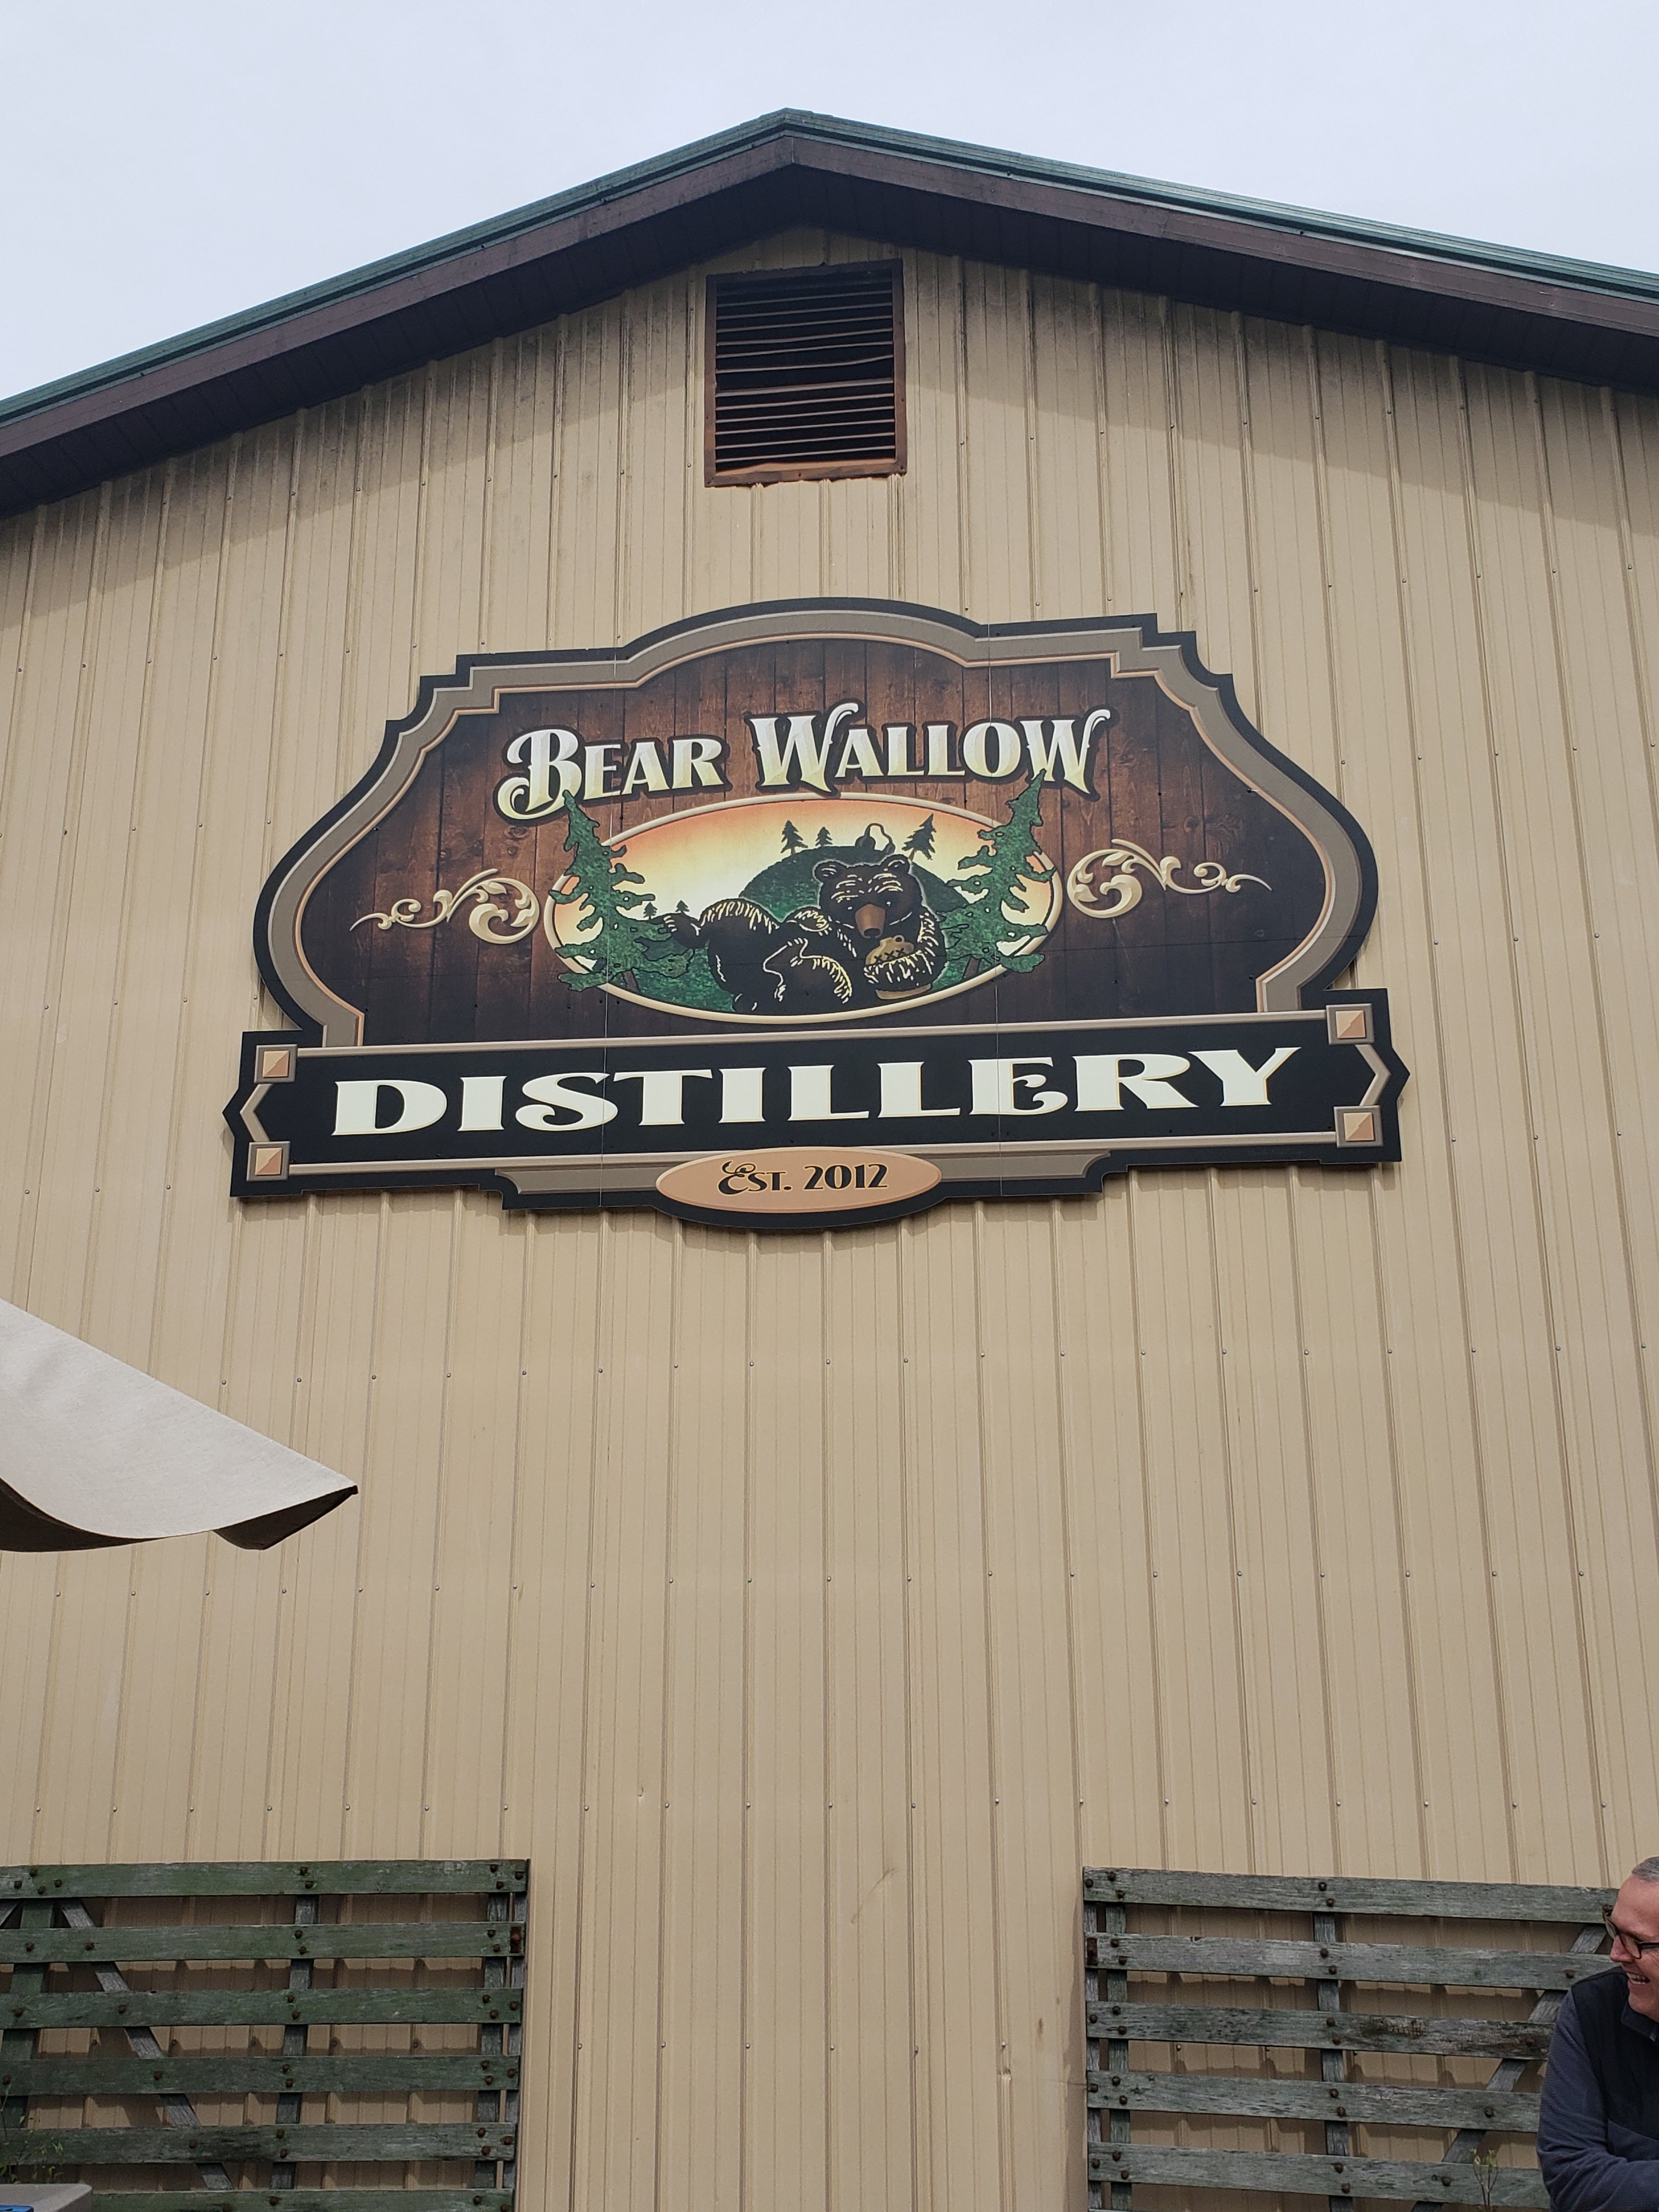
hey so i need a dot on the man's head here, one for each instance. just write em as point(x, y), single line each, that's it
point(1635, 1919)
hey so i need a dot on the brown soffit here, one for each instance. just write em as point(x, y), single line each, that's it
point(1521, 311)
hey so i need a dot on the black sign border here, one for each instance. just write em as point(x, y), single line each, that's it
point(1031, 1174)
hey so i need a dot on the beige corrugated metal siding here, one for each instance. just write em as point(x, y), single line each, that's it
point(810, 1610)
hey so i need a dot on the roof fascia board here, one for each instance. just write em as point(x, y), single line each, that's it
point(705, 199)
point(1329, 251)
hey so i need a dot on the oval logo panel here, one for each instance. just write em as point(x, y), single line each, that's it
point(798, 909)
point(798, 1179)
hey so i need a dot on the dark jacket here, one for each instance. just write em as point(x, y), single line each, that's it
point(1598, 2133)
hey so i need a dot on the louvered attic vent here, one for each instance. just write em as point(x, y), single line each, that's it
point(806, 374)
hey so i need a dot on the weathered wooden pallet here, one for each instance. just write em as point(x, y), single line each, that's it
point(67, 1956)
point(1429, 1996)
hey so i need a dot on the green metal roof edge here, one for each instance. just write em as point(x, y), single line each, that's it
point(1588, 276)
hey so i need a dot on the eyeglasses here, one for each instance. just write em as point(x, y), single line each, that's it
point(1640, 1945)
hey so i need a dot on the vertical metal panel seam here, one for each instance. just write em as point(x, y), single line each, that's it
point(175, 1117)
point(445, 1477)
point(1253, 565)
point(622, 614)
point(560, 342)
point(63, 881)
point(693, 297)
point(527, 1227)
point(1299, 1192)
point(746, 1883)
point(669, 1713)
point(1253, 574)
point(383, 1212)
point(898, 509)
point(1457, 383)
point(904, 1232)
point(287, 1551)
point(825, 1264)
point(486, 498)
point(14, 719)
point(1096, 299)
point(1034, 543)
point(422, 513)
point(213, 691)
point(1073, 2078)
point(1249, 1726)
point(1064, 1434)
point(1180, 538)
point(959, 345)
point(1181, 562)
point(999, 1900)
point(1643, 688)
point(1632, 598)
point(279, 689)
point(1549, 1258)
point(25, 624)
point(1409, 652)
point(122, 935)
point(604, 1270)
point(290, 1554)
point(1573, 1476)
point(1379, 1272)
point(1160, 1707)
point(351, 657)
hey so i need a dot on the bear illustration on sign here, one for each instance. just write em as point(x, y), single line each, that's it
point(871, 937)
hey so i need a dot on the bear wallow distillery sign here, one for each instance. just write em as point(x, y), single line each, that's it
point(834, 908)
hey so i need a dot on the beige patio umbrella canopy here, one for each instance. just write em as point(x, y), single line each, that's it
point(94, 1452)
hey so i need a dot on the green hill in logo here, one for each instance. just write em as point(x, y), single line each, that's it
point(979, 915)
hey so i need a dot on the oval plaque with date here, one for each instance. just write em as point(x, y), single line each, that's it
point(798, 1179)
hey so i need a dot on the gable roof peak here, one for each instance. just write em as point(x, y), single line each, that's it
point(793, 167)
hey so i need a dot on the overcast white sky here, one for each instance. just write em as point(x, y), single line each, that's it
point(168, 163)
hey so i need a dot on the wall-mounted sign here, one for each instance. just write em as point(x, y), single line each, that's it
point(839, 885)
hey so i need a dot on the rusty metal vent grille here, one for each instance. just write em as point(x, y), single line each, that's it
point(806, 374)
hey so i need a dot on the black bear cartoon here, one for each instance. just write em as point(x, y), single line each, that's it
point(872, 936)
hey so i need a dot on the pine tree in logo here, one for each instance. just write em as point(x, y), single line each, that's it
point(1010, 860)
point(792, 840)
point(630, 947)
point(824, 836)
point(920, 842)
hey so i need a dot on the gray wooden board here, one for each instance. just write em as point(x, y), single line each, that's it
point(253, 2008)
point(299, 2144)
point(340, 2199)
point(363, 1939)
point(1235, 2096)
point(178, 2111)
point(268, 1878)
point(1400, 1966)
point(1294, 2174)
point(1461, 1900)
point(290, 2105)
point(412, 2074)
point(1294, 2028)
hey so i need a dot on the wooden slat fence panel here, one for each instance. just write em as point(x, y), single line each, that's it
point(409, 1952)
point(465, 1939)
point(1339, 2024)
point(271, 1878)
